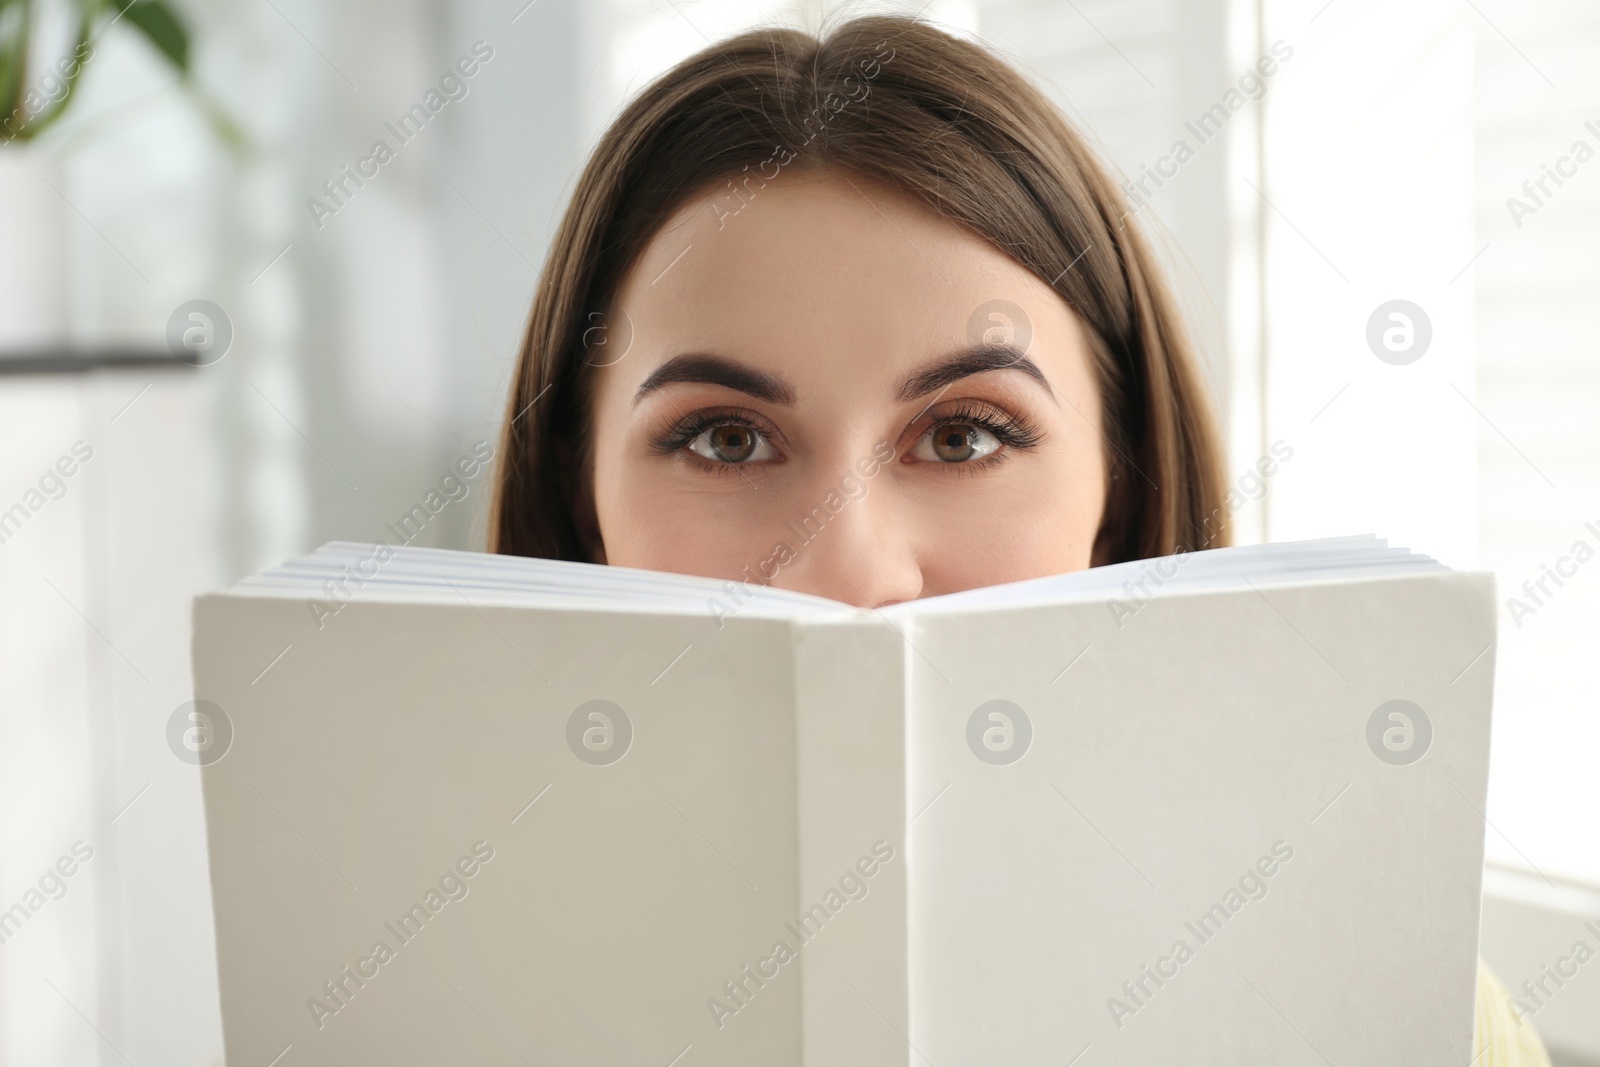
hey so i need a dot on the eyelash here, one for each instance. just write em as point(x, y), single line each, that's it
point(1012, 431)
point(676, 438)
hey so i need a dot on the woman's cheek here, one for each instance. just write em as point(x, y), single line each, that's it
point(1027, 527)
point(710, 528)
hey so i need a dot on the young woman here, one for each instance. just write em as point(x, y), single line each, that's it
point(879, 266)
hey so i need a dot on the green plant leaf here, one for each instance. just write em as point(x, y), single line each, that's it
point(18, 124)
point(158, 23)
point(14, 28)
point(155, 19)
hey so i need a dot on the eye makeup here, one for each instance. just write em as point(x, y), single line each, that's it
point(717, 440)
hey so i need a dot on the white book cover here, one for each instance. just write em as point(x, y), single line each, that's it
point(1217, 808)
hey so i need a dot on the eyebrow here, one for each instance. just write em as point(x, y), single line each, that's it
point(963, 364)
point(705, 369)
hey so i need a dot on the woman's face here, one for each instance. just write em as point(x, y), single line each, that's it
point(817, 394)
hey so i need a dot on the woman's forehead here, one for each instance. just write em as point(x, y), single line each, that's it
point(833, 279)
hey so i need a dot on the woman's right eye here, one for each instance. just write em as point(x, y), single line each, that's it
point(732, 442)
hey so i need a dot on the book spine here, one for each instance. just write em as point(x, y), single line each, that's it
point(850, 723)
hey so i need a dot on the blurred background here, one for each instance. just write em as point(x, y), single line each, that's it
point(1436, 153)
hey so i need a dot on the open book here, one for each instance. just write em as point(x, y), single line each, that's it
point(1217, 808)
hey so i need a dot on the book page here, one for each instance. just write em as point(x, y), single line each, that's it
point(446, 829)
point(1233, 827)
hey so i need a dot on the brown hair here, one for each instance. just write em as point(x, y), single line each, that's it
point(943, 121)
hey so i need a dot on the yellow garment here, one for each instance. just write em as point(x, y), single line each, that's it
point(1499, 1037)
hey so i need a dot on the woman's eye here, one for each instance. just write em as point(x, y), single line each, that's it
point(731, 442)
point(954, 442)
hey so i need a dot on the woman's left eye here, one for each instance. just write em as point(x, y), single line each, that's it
point(731, 442)
point(954, 442)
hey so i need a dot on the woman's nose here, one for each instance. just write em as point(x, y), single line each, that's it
point(863, 553)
